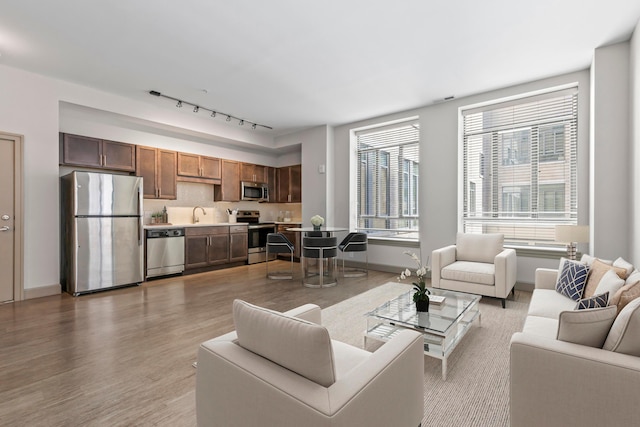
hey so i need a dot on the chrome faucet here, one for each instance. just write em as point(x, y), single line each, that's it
point(195, 218)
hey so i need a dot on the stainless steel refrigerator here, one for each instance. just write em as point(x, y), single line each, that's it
point(102, 231)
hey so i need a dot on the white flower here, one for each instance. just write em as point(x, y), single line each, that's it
point(317, 220)
point(421, 271)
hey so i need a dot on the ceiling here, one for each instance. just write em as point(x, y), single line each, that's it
point(291, 64)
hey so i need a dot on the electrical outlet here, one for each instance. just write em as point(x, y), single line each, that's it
point(350, 254)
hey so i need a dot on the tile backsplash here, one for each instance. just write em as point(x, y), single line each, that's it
point(190, 195)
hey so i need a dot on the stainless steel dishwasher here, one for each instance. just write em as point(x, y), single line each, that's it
point(165, 251)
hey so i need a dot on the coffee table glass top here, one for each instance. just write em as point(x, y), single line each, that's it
point(440, 317)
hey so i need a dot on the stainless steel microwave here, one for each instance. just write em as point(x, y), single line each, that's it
point(257, 191)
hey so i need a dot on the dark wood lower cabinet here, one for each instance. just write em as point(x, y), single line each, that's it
point(239, 243)
point(215, 247)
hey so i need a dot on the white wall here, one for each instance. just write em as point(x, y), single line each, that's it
point(634, 157)
point(316, 148)
point(610, 152)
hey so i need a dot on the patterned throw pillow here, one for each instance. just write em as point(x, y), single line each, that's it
point(596, 301)
point(572, 280)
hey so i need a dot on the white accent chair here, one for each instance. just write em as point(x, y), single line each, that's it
point(282, 369)
point(477, 264)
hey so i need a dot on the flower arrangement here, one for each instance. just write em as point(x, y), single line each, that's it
point(317, 221)
point(422, 293)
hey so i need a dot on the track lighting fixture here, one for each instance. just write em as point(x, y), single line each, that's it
point(214, 113)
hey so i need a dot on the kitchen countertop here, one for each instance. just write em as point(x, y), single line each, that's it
point(220, 224)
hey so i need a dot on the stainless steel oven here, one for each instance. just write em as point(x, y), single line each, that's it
point(257, 235)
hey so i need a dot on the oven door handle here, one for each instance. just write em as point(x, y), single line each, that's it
point(256, 227)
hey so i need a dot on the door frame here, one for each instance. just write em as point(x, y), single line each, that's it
point(18, 241)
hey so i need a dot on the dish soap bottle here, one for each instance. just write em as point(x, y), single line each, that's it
point(165, 216)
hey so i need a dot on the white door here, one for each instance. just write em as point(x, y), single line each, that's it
point(7, 218)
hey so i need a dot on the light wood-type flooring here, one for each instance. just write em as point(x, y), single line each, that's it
point(123, 357)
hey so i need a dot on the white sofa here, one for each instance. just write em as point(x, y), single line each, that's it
point(478, 264)
point(558, 383)
point(282, 369)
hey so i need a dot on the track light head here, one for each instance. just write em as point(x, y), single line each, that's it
point(228, 118)
point(241, 122)
point(195, 109)
point(253, 126)
point(213, 114)
point(179, 104)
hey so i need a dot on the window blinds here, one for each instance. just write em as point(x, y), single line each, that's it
point(520, 167)
point(387, 180)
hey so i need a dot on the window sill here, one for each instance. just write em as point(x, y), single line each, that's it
point(539, 252)
point(390, 241)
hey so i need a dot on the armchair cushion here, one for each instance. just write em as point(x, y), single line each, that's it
point(478, 247)
point(300, 346)
point(466, 271)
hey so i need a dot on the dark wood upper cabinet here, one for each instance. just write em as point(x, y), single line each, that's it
point(157, 167)
point(289, 184)
point(77, 150)
point(295, 184)
point(229, 189)
point(204, 169)
point(253, 173)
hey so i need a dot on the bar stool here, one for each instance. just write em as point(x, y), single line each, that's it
point(277, 243)
point(319, 250)
point(354, 242)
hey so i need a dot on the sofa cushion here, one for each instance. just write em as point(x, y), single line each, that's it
point(625, 295)
point(596, 301)
point(622, 263)
point(572, 280)
point(623, 336)
point(473, 272)
point(610, 283)
point(597, 270)
point(478, 247)
point(542, 326)
point(633, 278)
point(300, 346)
point(586, 327)
point(549, 303)
point(588, 260)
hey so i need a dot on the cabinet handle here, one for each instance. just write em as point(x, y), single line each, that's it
point(104, 160)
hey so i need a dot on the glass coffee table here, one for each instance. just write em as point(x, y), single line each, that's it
point(443, 326)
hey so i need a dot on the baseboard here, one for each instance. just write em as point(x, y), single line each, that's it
point(43, 291)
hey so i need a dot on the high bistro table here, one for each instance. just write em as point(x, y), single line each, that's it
point(330, 231)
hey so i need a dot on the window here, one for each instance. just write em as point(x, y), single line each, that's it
point(519, 167)
point(387, 181)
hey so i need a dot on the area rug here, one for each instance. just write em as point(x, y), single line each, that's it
point(476, 392)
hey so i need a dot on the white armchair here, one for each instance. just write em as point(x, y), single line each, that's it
point(282, 369)
point(477, 264)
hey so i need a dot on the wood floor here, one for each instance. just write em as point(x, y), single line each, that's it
point(123, 357)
